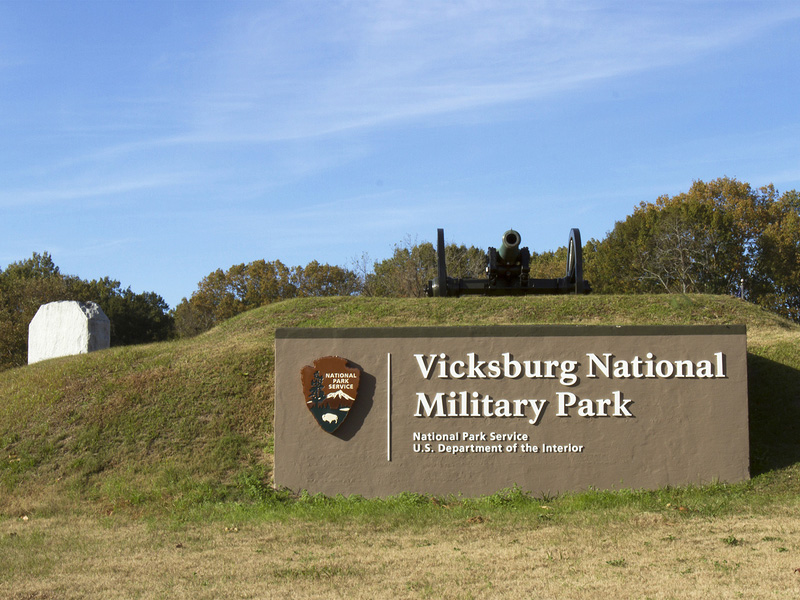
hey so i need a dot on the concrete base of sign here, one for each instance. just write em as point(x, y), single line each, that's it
point(66, 328)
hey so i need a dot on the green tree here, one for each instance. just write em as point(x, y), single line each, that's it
point(39, 266)
point(317, 389)
point(775, 281)
point(705, 240)
point(220, 295)
point(27, 284)
point(24, 286)
point(465, 262)
point(550, 264)
point(135, 318)
point(406, 273)
point(190, 320)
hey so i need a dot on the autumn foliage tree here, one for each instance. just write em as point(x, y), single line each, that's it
point(715, 238)
point(224, 294)
point(406, 273)
point(699, 241)
point(316, 279)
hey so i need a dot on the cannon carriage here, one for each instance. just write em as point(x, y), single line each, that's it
point(508, 271)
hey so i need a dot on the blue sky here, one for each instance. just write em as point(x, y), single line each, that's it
point(154, 142)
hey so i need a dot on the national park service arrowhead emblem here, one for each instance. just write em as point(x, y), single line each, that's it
point(330, 389)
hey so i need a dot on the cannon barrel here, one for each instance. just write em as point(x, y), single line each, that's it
point(509, 248)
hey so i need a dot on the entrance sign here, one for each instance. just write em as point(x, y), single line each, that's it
point(472, 410)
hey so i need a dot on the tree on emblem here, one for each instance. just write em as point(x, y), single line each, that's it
point(317, 394)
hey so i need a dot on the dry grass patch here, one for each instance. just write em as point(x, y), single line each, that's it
point(648, 556)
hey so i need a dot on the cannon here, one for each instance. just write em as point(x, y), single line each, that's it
point(508, 271)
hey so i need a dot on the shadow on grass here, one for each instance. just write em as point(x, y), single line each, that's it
point(774, 392)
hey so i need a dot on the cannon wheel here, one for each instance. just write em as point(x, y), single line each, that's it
point(575, 261)
point(441, 266)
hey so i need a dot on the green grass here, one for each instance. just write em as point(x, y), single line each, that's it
point(184, 429)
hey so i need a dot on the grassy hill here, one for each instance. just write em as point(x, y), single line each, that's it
point(183, 422)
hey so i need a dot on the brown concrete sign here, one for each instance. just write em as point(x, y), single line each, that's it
point(472, 410)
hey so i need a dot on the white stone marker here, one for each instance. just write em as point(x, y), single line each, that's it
point(66, 328)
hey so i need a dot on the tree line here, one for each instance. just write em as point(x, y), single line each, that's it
point(720, 237)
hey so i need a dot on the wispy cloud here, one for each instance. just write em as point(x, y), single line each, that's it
point(366, 65)
point(67, 191)
point(298, 73)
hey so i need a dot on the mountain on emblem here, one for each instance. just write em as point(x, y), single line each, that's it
point(330, 389)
